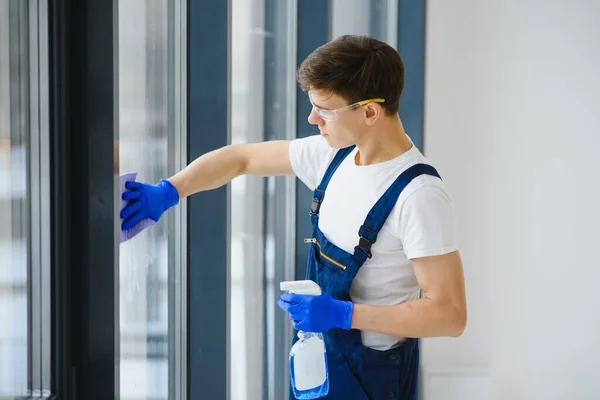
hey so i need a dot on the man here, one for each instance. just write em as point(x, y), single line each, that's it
point(383, 246)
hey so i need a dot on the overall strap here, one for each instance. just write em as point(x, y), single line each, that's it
point(382, 209)
point(319, 192)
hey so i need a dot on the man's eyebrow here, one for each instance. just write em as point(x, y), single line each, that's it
point(320, 107)
point(310, 98)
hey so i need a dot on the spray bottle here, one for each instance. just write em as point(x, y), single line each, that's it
point(309, 373)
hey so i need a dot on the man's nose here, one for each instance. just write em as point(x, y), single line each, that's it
point(314, 118)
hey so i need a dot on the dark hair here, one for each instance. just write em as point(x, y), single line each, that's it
point(355, 68)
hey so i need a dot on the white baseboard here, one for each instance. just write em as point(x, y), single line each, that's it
point(454, 384)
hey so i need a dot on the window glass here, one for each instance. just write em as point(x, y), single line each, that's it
point(15, 201)
point(377, 18)
point(247, 248)
point(149, 138)
point(263, 93)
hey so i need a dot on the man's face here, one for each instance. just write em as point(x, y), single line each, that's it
point(340, 129)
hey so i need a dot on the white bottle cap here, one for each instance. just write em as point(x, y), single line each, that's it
point(301, 287)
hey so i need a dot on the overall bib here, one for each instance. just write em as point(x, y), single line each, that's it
point(357, 372)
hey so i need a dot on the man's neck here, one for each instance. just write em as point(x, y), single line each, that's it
point(388, 142)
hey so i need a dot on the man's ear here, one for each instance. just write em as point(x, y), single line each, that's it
point(372, 112)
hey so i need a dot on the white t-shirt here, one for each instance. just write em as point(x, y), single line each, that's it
point(421, 224)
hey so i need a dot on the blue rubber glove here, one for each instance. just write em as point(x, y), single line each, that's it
point(147, 201)
point(317, 313)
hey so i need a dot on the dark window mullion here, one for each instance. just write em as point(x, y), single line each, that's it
point(208, 57)
point(411, 46)
point(83, 125)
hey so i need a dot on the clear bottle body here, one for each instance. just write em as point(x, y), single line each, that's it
point(309, 373)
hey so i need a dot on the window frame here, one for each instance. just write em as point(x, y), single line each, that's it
point(39, 164)
point(178, 245)
point(208, 269)
point(84, 240)
point(412, 17)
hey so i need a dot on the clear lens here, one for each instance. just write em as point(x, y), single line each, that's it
point(327, 115)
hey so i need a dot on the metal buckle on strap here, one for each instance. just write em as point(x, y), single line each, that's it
point(315, 206)
point(316, 201)
point(364, 245)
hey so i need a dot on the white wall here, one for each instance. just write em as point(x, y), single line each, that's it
point(513, 123)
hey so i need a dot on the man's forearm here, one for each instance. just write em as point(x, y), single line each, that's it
point(414, 319)
point(210, 171)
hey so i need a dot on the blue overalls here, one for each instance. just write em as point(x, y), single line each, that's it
point(357, 372)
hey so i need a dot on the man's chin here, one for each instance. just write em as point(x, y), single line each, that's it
point(335, 144)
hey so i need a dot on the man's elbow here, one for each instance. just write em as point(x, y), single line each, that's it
point(458, 322)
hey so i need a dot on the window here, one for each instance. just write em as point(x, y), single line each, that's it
point(380, 20)
point(151, 138)
point(263, 94)
point(24, 201)
point(247, 240)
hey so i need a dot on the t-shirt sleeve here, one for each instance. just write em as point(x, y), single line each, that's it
point(309, 158)
point(428, 223)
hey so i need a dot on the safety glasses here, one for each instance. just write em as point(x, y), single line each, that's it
point(334, 115)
